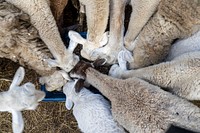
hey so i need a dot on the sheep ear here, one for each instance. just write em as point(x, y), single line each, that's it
point(79, 85)
point(17, 121)
point(52, 63)
point(39, 95)
point(99, 62)
point(18, 78)
point(68, 103)
point(104, 39)
point(76, 37)
point(128, 56)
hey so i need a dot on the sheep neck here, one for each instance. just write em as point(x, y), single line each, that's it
point(103, 83)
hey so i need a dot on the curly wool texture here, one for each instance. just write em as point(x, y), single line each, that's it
point(92, 112)
point(42, 19)
point(141, 107)
point(174, 19)
point(180, 76)
point(20, 41)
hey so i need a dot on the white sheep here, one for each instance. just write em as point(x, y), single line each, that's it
point(142, 10)
point(97, 12)
point(141, 107)
point(92, 111)
point(185, 45)
point(174, 19)
point(179, 76)
point(18, 98)
point(21, 43)
point(42, 18)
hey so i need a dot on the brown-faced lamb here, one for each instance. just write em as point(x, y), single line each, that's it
point(21, 43)
point(19, 98)
point(42, 19)
point(139, 106)
point(174, 19)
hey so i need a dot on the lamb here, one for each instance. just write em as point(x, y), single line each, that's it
point(18, 98)
point(185, 45)
point(142, 10)
point(174, 19)
point(141, 107)
point(97, 12)
point(43, 20)
point(92, 111)
point(21, 43)
point(179, 76)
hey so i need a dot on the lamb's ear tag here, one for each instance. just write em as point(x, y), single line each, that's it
point(79, 85)
point(99, 62)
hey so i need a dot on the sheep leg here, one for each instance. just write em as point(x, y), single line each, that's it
point(142, 10)
point(116, 33)
point(42, 18)
point(180, 76)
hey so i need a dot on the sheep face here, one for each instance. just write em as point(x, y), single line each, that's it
point(72, 92)
point(27, 97)
point(89, 46)
point(67, 62)
point(55, 81)
point(69, 91)
point(24, 97)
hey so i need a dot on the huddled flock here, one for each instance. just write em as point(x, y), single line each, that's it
point(155, 65)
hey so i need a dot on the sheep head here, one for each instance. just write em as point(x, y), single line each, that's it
point(79, 71)
point(24, 97)
point(54, 81)
point(88, 45)
point(116, 70)
point(71, 89)
point(18, 98)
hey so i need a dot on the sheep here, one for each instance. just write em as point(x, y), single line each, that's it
point(18, 98)
point(184, 45)
point(141, 107)
point(97, 12)
point(43, 20)
point(179, 76)
point(174, 19)
point(142, 10)
point(92, 111)
point(21, 43)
